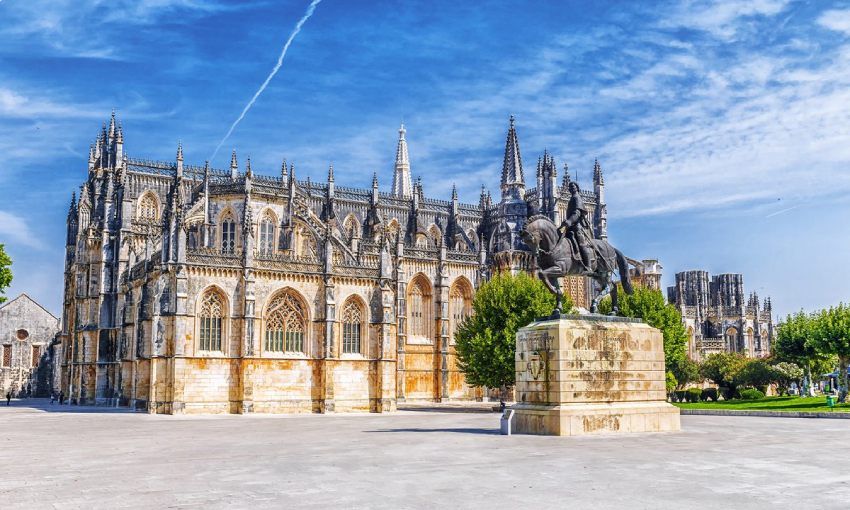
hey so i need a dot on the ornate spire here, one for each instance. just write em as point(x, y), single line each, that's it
point(283, 173)
point(454, 192)
point(565, 183)
point(374, 179)
point(331, 173)
point(73, 209)
point(513, 181)
point(234, 165)
point(179, 159)
point(111, 132)
point(401, 175)
point(248, 172)
point(597, 173)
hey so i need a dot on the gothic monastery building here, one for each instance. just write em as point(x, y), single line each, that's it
point(194, 289)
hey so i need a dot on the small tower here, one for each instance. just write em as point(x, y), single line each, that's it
point(179, 160)
point(513, 181)
point(401, 175)
point(600, 216)
point(234, 165)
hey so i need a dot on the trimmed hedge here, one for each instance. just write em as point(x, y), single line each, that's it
point(709, 394)
point(694, 395)
point(752, 394)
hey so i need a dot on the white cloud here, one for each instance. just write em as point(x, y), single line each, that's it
point(836, 19)
point(14, 229)
point(721, 18)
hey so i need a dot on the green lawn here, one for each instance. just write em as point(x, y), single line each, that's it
point(769, 404)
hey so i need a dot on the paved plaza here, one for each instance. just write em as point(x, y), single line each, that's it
point(69, 457)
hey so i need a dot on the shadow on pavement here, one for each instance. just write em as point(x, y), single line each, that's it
point(463, 430)
point(44, 405)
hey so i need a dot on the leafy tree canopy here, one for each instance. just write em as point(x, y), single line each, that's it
point(649, 305)
point(486, 341)
point(5, 272)
point(832, 336)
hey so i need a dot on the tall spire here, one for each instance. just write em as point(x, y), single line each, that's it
point(179, 159)
point(234, 165)
point(402, 186)
point(597, 173)
point(513, 181)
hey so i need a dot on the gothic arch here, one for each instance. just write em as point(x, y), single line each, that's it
point(148, 206)
point(460, 303)
point(351, 226)
point(420, 308)
point(354, 321)
point(435, 234)
point(228, 231)
point(212, 320)
point(267, 231)
point(393, 229)
point(286, 323)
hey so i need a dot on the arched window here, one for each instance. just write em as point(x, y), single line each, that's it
point(460, 304)
point(352, 327)
point(211, 318)
point(286, 323)
point(393, 229)
point(750, 338)
point(436, 235)
point(148, 207)
point(85, 216)
point(419, 309)
point(305, 243)
point(228, 235)
point(731, 337)
point(267, 235)
point(352, 227)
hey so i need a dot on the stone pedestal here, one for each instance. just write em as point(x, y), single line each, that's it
point(591, 375)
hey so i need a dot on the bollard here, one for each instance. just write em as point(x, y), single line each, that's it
point(507, 418)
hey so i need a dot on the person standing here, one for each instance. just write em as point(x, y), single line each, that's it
point(8, 398)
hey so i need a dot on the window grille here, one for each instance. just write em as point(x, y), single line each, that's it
point(211, 322)
point(352, 324)
point(285, 325)
point(228, 236)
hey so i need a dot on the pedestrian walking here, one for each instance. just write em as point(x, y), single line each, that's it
point(52, 397)
point(61, 397)
point(8, 398)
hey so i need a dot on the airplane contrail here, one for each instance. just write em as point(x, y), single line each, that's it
point(771, 215)
point(276, 68)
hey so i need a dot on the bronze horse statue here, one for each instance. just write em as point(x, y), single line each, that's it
point(556, 256)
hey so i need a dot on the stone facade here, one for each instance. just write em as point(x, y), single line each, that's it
point(27, 331)
point(717, 316)
point(193, 289)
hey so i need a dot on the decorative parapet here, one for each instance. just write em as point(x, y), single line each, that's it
point(214, 257)
point(288, 262)
point(711, 345)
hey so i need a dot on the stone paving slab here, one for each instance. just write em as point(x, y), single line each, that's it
point(59, 457)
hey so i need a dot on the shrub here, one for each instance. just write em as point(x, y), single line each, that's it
point(694, 394)
point(727, 392)
point(679, 395)
point(709, 394)
point(752, 394)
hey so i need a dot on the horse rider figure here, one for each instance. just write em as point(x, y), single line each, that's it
point(576, 227)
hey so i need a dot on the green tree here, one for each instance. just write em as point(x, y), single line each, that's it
point(649, 305)
point(786, 373)
point(722, 368)
point(756, 373)
point(486, 340)
point(5, 272)
point(794, 344)
point(687, 372)
point(832, 336)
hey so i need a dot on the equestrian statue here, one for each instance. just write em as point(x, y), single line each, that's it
point(575, 252)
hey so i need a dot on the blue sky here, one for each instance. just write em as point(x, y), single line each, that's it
point(722, 127)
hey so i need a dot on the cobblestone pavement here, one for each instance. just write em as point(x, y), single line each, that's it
point(69, 457)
